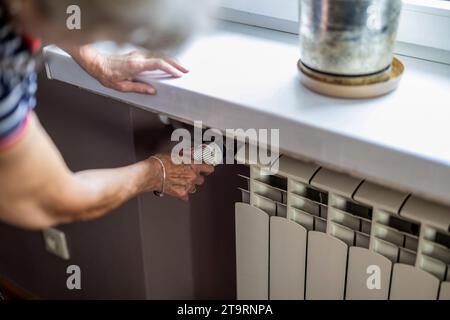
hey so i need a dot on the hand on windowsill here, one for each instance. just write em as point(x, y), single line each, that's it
point(119, 72)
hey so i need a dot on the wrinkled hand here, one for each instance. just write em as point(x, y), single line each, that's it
point(119, 71)
point(181, 180)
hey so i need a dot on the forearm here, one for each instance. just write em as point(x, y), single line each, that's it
point(79, 196)
point(95, 192)
point(39, 191)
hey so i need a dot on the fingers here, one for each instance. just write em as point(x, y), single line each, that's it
point(181, 193)
point(182, 180)
point(162, 65)
point(184, 187)
point(137, 87)
point(199, 180)
point(204, 169)
point(191, 179)
point(121, 69)
point(173, 62)
point(193, 190)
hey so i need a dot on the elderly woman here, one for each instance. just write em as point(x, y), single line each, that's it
point(37, 188)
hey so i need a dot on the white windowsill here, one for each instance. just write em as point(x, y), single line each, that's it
point(246, 77)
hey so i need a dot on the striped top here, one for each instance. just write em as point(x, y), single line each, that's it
point(17, 82)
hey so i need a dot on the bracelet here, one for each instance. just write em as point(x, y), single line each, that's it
point(160, 193)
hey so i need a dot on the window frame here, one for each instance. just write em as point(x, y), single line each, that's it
point(419, 19)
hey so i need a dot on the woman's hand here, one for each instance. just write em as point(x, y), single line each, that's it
point(118, 72)
point(50, 194)
point(181, 180)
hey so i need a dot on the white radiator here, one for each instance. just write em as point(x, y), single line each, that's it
point(312, 233)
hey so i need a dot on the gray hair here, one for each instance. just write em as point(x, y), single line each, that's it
point(152, 24)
